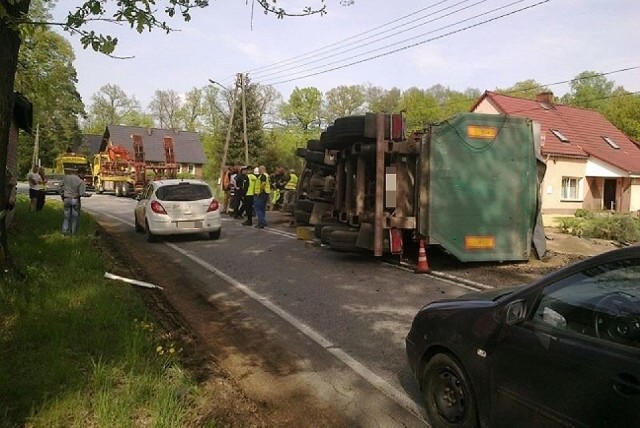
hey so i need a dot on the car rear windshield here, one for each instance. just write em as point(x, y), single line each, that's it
point(184, 192)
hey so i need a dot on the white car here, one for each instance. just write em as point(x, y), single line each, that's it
point(177, 207)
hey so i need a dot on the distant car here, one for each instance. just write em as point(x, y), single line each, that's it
point(562, 351)
point(177, 207)
point(53, 182)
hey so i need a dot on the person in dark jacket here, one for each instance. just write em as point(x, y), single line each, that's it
point(241, 189)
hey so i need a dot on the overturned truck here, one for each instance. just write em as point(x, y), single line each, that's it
point(470, 184)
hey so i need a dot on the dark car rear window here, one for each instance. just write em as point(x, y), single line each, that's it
point(184, 192)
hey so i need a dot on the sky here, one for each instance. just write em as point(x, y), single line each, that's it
point(459, 44)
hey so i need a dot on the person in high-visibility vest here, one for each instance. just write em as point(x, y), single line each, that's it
point(250, 184)
point(262, 191)
point(290, 188)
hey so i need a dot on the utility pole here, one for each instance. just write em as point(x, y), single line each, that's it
point(225, 149)
point(35, 160)
point(242, 79)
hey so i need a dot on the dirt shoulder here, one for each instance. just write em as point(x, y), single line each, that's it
point(246, 377)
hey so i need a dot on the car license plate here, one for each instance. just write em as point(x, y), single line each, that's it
point(189, 224)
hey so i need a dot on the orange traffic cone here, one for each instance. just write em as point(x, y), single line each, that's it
point(423, 265)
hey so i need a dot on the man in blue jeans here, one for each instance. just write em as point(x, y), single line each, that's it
point(72, 188)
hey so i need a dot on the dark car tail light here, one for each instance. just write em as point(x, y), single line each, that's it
point(213, 206)
point(157, 208)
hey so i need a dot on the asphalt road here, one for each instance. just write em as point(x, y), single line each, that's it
point(347, 314)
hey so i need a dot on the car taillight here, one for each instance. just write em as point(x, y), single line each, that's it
point(213, 206)
point(157, 208)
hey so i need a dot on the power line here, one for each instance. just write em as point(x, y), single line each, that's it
point(417, 43)
point(345, 40)
point(368, 41)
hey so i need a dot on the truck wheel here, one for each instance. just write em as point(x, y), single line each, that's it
point(301, 152)
point(116, 189)
point(314, 156)
point(304, 205)
point(301, 217)
point(314, 145)
point(343, 240)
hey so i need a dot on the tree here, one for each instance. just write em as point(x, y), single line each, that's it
point(255, 104)
point(165, 108)
point(525, 89)
point(421, 108)
point(303, 108)
point(112, 106)
point(382, 100)
point(589, 89)
point(191, 109)
point(141, 15)
point(623, 110)
point(344, 101)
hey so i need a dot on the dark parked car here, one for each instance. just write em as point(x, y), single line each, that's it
point(53, 182)
point(563, 351)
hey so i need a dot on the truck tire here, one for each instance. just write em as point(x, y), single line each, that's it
point(116, 189)
point(324, 223)
point(343, 240)
point(301, 152)
point(327, 230)
point(301, 217)
point(314, 157)
point(314, 145)
point(304, 205)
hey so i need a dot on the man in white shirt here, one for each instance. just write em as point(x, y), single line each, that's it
point(35, 187)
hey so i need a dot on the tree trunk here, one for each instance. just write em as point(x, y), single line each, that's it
point(9, 48)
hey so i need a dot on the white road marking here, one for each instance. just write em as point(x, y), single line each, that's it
point(376, 381)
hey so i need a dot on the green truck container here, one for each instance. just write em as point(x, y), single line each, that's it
point(481, 172)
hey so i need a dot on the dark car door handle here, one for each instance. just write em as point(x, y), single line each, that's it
point(626, 384)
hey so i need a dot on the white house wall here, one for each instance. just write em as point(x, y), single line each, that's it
point(598, 168)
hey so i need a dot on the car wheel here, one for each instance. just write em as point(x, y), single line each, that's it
point(216, 234)
point(150, 236)
point(139, 227)
point(447, 393)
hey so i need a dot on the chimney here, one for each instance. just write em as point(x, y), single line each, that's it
point(545, 97)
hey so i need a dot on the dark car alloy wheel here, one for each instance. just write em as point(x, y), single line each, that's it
point(448, 396)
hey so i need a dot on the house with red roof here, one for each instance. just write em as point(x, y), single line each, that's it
point(591, 164)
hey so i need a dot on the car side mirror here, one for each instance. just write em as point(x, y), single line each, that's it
point(516, 312)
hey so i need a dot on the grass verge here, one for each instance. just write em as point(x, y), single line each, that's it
point(77, 349)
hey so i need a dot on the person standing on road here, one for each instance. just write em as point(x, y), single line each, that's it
point(225, 181)
point(237, 204)
point(250, 188)
point(72, 188)
point(43, 190)
point(262, 191)
point(35, 190)
point(290, 188)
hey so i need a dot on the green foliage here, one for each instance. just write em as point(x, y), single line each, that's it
point(46, 76)
point(616, 227)
point(525, 89)
point(421, 108)
point(344, 101)
point(303, 108)
point(589, 90)
point(112, 106)
point(77, 349)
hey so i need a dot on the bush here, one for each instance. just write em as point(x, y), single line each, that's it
point(583, 213)
point(616, 227)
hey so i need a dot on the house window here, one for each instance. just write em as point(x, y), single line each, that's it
point(559, 135)
point(571, 189)
point(192, 169)
point(179, 171)
point(610, 142)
